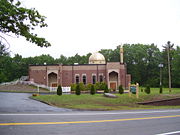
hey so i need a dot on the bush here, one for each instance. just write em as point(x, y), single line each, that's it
point(59, 90)
point(93, 90)
point(88, 86)
point(121, 90)
point(81, 86)
point(73, 87)
point(161, 90)
point(78, 91)
point(102, 86)
point(147, 89)
point(98, 86)
point(106, 90)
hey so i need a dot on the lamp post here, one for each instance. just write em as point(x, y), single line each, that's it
point(160, 66)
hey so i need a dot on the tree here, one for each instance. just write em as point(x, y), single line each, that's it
point(93, 90)
point(59, 90)
point(21, 21)
point(78, 90)
point(106, 90)
point(121, 90)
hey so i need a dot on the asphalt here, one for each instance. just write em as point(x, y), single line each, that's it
point(20, 102)
point(23, 116)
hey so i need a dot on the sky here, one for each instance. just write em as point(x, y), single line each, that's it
point(83, 26)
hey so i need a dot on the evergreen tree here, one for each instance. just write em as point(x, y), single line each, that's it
point(78, 91)
point(93, 91)
point(121, 90)
point(59, 90)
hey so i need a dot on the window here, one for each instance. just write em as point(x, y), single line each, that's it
point(77, 79)
point(84, 79)
point(94, 79)
point(101, 78)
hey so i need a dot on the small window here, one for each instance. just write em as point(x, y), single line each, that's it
point(84, 79)
point(101, 78)
point(93, 79)
point(77, 79)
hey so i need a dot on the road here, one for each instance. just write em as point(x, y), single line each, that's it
point(66, 122)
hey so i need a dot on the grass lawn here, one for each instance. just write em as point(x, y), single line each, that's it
point(99, 102)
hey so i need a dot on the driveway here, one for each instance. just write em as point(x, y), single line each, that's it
point(20, 102)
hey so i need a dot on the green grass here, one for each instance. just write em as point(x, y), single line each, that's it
point(99, 102)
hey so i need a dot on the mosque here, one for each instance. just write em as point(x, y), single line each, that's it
point(98, 70)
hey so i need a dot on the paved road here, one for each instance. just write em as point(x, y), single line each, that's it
point(53, 122)
point(20, 102)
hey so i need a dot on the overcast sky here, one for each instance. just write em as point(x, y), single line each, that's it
point(83, 26)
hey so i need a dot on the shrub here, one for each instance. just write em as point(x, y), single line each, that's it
point(121, 90)
point(59, 90)
point(147, 89)
point(98, 86)
point(102, 86)
point(81, 86)
point(93, 90)
point(88, 86)
point(106, 90)
point(161, 90)
point(73, 87)
point(78, 91)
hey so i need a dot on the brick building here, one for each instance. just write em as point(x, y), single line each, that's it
point(113, 73)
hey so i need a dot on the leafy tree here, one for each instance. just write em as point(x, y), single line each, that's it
point(175, 68)
point(59, 90)
point(21, 21)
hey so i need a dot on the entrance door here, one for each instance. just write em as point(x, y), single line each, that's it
point(113, 85)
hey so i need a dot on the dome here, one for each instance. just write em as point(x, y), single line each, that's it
point(97, 58)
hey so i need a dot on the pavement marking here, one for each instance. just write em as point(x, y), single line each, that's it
point(169, 133)
point(86, 113)
point(93, 121)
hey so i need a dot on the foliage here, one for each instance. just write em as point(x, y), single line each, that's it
point(82, 86)
point(88, 86)
point(147, 89)
point(106, 90)
point(98, 85)
point(141, 60)
point(78, 90)
point(93, 90)
point(59, 90)
point(102, 86)
point(121, 90)
point(99, 102)
point(73, 87)
point(160, 90)
point(21, 21)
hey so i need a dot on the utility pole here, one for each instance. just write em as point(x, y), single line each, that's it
point(169, 66)
point(168, 47)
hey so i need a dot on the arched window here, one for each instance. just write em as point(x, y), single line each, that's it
point(84, 79)
point(94, 79)
point(77, 79)
point(101, 78)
